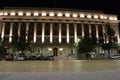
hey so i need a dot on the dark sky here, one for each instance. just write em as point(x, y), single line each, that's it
point(108, 6)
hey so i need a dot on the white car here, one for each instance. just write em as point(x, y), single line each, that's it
point(20, 58)
point(115, 57)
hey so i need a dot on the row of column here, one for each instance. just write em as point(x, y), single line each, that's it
point(51, 32)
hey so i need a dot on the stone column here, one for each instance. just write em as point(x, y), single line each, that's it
point(97, 35)
point(10, 34)
point(19, 29)
point(3, 31)
point(103, 29)
point(27, 28)
point(35, 32)
point(51, 33)
point(83, 34)
point(68, 33)
point(43, 32)
point(60, 33)
point(90, 30)
point(75, 33)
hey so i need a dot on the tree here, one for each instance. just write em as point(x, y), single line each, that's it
point(19, 43)
point(14, 42)
point(3, 51)
point(86, 45)
point(109, 40)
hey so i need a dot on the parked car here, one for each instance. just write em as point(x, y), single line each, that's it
point(32, 58)
point(21, 57)
point(50, 57)
point(45, 58)
point(9, 57)
point(40, 58)
point(115, 57)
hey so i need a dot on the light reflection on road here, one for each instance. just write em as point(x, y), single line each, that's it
point(59, 66)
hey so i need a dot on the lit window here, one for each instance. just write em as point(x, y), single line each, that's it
point(88, 16)
point(36, 13)
point(74, 15)
point(1, 13)
point(28, 14)
point(12, 13)
point(20, 13)
point(51, 14)
point(82, 15)
point(43, 14)
point(59, 14)
point(101, 17)
point(115, 18)
point(95, 16)
point(110, 18)
point(5, 14)
point(67, 14)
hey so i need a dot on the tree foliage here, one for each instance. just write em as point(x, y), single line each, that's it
point(3, 50)
point(110, 40)
point(86, 45)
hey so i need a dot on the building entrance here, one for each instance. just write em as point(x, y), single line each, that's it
point(55, 51)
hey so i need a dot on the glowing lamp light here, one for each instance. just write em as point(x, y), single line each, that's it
point(51, 14)
point(115, 18)
point(50, 49)
point(28, 14)
point(110, 18)
point(67, 14)
point(61, 49)
point(5, 14)
point(96, 16)
point(74, 15)
point(36, 13)
point(59, 14)
point(88, 16)
point(101, 17)
point(20, 13)
point(82, 15)
point(105, 17)
point(12, 13)
point(1, 13)
point(44, 14)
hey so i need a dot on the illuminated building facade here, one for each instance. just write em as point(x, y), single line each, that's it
point(54, 30)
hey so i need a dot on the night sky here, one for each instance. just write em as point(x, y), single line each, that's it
point(108, 6)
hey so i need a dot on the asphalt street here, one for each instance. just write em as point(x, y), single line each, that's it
point(99, 75)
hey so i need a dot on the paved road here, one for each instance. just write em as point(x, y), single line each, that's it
point(100, 75)
point(60, 70)
point(59, 66)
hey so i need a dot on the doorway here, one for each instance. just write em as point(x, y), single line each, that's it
point(55, 51)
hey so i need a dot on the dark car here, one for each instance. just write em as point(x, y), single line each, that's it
point(32, 58)
point(45, 58)
point(41, 58)
point(50, 57)
point(9, 57)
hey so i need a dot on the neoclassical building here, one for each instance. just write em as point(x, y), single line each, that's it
point(54, 30)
